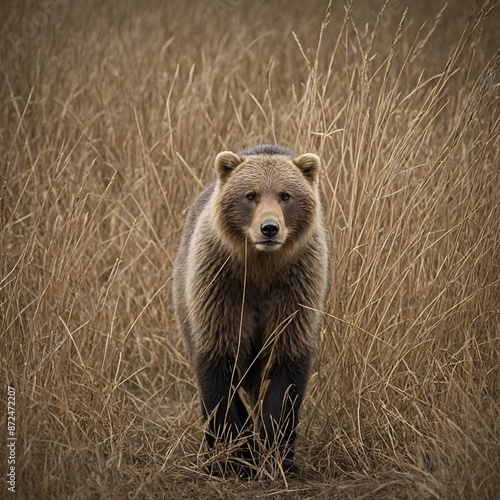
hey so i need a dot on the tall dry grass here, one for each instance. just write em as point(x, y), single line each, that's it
point(111, 116)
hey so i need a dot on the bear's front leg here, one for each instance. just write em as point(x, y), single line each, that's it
point(280, 408)
point(228, 420)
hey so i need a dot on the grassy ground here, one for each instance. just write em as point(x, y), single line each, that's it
point(111, 115)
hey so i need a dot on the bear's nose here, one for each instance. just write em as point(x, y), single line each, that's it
point(269, 228)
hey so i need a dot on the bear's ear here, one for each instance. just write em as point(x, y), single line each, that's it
point(225, 163)
point(309, 164)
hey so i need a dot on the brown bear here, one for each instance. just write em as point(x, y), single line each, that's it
point(251, 279)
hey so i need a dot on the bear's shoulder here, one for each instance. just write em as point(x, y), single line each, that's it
point(193, 216)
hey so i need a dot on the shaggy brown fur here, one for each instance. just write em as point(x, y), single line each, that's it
point(251, 277)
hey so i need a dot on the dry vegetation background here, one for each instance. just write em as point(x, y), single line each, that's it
point(111, 115)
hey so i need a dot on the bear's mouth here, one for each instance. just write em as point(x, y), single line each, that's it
point(268, 244)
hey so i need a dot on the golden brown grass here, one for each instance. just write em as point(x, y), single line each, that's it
point(111, 115)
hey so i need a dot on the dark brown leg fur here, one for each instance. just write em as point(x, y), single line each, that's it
point(280, 409)
point(228, 419)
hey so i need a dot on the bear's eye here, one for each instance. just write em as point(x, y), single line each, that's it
point(285, 196)
point(250, 196)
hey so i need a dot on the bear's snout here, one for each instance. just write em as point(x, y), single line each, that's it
point(269, 228)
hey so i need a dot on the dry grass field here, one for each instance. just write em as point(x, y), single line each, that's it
point(111, 115)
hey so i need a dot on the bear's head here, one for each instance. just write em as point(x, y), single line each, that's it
point(266, 202)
